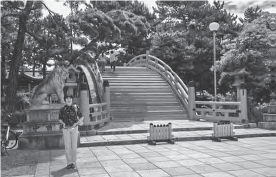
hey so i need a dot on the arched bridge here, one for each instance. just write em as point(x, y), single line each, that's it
point(146, 89)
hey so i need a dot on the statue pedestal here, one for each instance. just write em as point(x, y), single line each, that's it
point(42, 130)
point(269, 122)
point(269, 119)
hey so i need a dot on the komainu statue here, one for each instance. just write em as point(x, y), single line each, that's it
point(53, 83)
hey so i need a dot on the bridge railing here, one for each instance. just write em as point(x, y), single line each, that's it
point(98, 113)
point(157, 65)
point(215, 111)
point(95, 114)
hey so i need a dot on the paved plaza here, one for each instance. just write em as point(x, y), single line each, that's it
point(121, 133)
point(248, 157)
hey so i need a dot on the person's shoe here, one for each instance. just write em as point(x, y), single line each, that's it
point(69, 166)
point(73, 166)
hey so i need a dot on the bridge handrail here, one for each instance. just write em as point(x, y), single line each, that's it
point(98, 113)
point(154, 63)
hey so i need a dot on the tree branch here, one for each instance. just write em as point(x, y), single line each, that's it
point(10, 14)
point(34, 36)
point(11, 3)
point(50, 12)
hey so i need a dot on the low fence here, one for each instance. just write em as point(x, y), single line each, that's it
point(160, 133)
point(223, 130)
point(235, 112)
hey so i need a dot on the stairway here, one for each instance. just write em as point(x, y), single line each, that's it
point(139, 94)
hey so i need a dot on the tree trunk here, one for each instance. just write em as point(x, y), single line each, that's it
point(44, 68)
point(17, 57)
point(46, 57)
point(34, 69)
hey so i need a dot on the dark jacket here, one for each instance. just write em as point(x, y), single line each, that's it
point(68, 115)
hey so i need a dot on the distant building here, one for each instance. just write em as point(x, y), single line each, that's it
point(26, 80)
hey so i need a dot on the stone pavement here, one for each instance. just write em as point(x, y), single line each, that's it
point(248, 157)
point(122, 133)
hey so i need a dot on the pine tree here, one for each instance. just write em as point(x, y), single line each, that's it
point(251, 14)
point(49, 38)
point(92, 26)
point(246, 57)
point(134, 43)
point(17, 37)
point(184, 25)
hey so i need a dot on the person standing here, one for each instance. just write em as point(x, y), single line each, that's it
point(102, 62)
point(113, 60)
point(70, 116)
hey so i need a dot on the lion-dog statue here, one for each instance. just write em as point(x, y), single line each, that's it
point(53, 83)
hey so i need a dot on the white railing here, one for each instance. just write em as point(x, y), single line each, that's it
point(216, 111)
point(98, 78)
point(157, 65)
point(98, 113)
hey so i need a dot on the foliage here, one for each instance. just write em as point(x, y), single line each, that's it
point(135, 7)
point(47, 39)
point(183, 39)
point(251, 14)
point(21, 13)
point(255, 109)
point(140, 18)
point(247, 56)
point(92, 26)
point(22, 100)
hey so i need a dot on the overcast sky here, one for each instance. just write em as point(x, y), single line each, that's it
point(234, 6)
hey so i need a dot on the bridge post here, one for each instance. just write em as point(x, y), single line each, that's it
point(243, 100)
point(191, 102)
point(84, 102)
point(107, 96)
point(147, 57)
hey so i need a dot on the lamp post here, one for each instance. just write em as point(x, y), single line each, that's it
point(214, 27)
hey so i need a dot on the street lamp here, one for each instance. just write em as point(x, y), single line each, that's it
point(214, 27)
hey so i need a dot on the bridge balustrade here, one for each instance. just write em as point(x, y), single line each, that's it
point(216, 111)
point(157, 65)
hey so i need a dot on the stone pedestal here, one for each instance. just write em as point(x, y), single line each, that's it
point(269, 119)
point(269, 122)
point(267, 125)
point(42, 130)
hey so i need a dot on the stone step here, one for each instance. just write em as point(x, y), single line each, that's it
point(130, 78)
point(138, 84)
point(141, 90)
point(143, 109)
point(148, 100)
point(145, 103)
point(139, 113)
point(135, 81)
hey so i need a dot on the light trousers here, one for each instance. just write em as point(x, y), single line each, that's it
point(70, 136)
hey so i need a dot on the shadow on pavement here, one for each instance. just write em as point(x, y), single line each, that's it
point(63, 172)
point(26, 162)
